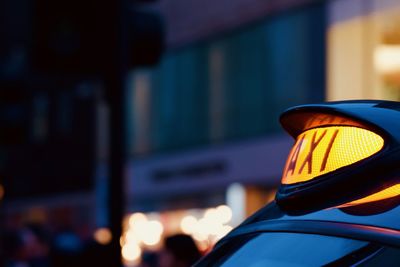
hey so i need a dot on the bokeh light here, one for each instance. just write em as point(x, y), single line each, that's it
point(145, 231)
point(131, 252)
point(102, 236)
point(1, 191)
point(137, 218)
point(188, 224)
point(223, 231)
point(224, 213)
point(151, 233)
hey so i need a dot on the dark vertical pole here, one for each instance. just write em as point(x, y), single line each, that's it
point(116, 162)
point(115, 71)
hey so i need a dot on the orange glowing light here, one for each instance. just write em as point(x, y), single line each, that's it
point(322, 150)
point(389, 192)
point(103, 236)
point(1, 191)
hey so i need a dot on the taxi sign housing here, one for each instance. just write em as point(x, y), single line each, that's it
point(368, 155)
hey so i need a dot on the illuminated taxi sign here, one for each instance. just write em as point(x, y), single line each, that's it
point(390, 192)
point(322, 150)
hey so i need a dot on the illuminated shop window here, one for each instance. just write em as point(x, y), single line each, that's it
point(145, 232)
point(363, 50)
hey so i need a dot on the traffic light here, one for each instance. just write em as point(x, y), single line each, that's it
point(71, 36)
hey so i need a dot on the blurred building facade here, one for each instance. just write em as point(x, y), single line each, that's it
point(207, 116)
point(229, 72)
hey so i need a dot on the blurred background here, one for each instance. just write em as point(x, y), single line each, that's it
point(124, 123)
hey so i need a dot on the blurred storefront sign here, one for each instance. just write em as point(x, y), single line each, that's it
point(204, 172)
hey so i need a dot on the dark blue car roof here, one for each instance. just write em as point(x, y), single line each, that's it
point(381, 226)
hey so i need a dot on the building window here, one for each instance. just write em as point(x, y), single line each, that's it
point(235, 86)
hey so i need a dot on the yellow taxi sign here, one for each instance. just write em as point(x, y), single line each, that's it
point(322, 150)
point(389, 192)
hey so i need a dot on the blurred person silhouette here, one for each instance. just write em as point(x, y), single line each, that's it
point(179, 250)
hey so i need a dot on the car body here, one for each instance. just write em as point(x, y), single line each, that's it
point(348, 215)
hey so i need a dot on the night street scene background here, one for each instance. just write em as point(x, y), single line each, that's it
point(139, 133)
